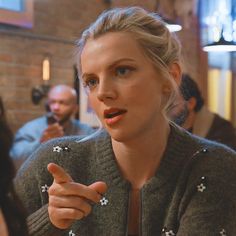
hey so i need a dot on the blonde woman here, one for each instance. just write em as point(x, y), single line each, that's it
point(140, 174)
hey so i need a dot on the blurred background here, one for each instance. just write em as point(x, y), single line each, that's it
point(37, 43)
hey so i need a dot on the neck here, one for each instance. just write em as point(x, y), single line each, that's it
point(139, 159)
point(188, 124)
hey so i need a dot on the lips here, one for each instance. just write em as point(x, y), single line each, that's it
point(113, 115)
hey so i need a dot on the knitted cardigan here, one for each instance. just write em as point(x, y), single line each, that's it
point(192, 193)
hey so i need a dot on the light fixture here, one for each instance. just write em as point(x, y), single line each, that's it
point(46, 70)
point(41, 91)
point(172, 26)
point(221, 46)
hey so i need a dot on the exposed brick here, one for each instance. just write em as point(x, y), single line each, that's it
point(21, 56)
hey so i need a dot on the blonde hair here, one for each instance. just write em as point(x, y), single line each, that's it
point(156, 41)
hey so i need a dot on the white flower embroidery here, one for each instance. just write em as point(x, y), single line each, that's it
point(204, 150)
point(104, 201)
point(71, 233)
point(44, 188)
point(66, 148)
point(57, 149)
point(201, 187)
point(223, 232)
point(169, 233)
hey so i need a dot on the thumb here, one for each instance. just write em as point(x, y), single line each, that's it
point(59, 174)
point(99, 187)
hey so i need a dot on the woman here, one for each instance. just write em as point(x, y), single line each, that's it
point(12, 218)
point(141, 174)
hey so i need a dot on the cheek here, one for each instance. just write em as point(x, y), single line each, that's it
point(67, 110)
point(51, 107)
point(93, 102)
point(150, 95)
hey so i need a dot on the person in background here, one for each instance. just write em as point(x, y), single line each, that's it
point(192, 114)
point(140, 174)
point(12, 215)
point(62, 102)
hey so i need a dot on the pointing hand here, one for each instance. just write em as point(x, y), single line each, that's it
point(68, 200)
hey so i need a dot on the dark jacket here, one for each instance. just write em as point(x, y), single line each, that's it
point(222, 131)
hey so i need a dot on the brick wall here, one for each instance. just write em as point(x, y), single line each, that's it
point(57, 24)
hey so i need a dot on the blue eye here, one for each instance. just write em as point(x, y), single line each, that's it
point(90, 83)
point(123, 71)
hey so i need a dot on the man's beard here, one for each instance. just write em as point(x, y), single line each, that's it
point(181, 116)
point(66, 118)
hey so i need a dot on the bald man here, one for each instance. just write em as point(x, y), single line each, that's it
point(62, 104)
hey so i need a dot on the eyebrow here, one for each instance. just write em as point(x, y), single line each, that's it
point(113, 64)
point(119, 61)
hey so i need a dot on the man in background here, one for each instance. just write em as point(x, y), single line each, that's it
point(191, 113)
point(62, 102)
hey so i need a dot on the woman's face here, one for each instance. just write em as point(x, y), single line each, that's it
point(124, 88)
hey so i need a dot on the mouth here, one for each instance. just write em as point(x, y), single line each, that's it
point(113, 116)
point(111, 113)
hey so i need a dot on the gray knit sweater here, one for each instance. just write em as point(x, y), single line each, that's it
point(193, 192)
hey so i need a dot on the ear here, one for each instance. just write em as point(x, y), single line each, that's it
point(76, 108)
point(176, 72)
point(192, 103)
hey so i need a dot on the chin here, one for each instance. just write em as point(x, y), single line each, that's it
point(63, 120)
point(120, 135)
point(115, 134)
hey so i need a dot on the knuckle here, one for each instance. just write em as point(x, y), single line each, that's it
point(52, 212)
point(52, 201)
point(52, 190)
point(76, 214)
point(84, 206)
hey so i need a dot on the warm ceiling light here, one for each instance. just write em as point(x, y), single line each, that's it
point(46, 69)
point(174, 27)
point(171, 25)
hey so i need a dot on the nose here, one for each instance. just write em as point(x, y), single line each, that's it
point(55, 106)
point(106, 90)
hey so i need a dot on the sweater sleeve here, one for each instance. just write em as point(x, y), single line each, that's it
point(209, 204)
point(39, 223)
point(31, 184)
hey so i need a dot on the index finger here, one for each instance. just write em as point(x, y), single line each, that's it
point(59, 174)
